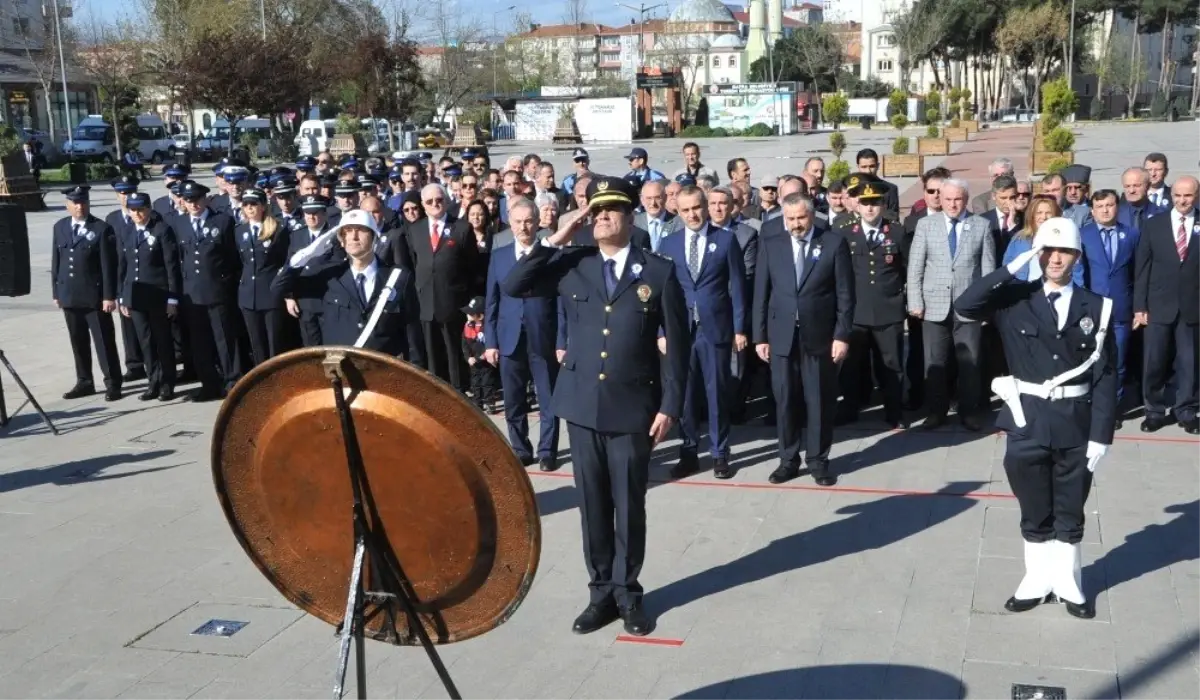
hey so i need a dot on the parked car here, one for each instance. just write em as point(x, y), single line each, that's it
point(216, 142)
point(1014, 114)
point(94, 140)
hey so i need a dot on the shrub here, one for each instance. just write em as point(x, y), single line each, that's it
point(759, 129)
point(968, 115)
point(1158, 106)
point(1059, 140)
point(835, 108)
point(932, 131)
point(954, 111)
point(1049, 123)
point(1056, 166)
point(10, 142)
point(696, 131)
point(1059, 100)
point(1181, 106)
point(933, 101)
point(249, 140)
point(931, 115)
point(837, 144)
point(837, 171)
point(899, 121)
point(900, 145)
point(720, 132)
point(898, 101)
point(954, 95)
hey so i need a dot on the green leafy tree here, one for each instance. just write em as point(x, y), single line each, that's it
point(837, 144)
point(1059, 100)
point(837, 171)
point(835, 108)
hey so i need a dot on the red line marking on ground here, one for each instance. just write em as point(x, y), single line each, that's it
point(1180, 441)
point(799, 487)
point(655, 641)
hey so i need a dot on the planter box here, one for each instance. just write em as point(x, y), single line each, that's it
point(971, 125)
point(1039, 160)
point(953, 133)
point(1038, 143)
point(343, 144)
point(933, 146)
point(907, 165)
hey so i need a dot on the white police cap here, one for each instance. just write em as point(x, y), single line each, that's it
point(1057, 232)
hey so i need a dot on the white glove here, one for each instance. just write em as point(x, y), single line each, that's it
point(1095, 452)
point(1019, 262)
point(317, 248)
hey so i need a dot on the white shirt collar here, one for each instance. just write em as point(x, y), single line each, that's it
point(1188, 221)
point(619, 257)
point(370, 271)
point(519, 249)
point(1062, 304)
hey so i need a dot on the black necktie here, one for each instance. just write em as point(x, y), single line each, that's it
point(362, 289)
point(610, 276)
point(1053, 297)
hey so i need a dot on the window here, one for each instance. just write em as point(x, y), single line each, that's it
point(716, 61)
point(20, 26)
point(733, 61)
point(884, 65)
point(887, 40)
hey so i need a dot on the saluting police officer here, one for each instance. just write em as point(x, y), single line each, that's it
point(1060, 404)
point(83, 267)
point(262, 243)
point(879, 271)
point(119, 220)
point(307, 310)
point(211, 269)
point(616, 298)
point(150, 285)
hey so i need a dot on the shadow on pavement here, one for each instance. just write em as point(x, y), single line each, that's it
point(1150, 549)
point(80, 471)
point(1129, 684)
point(841, 681)
point(26, 421)
point(872, 525)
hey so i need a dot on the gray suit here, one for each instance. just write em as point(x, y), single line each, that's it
point(981, 203)
point(641, 220)
point(935, 280)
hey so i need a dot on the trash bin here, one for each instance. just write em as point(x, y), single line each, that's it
point(79, 173)
point(866, 122)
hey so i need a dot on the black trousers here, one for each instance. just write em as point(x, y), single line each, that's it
point(267, 333)
point(516, 372)
point(214, 335)
point(135, 359)
point(153, 329)
point(181, 338)
point(805, 387)
point(310, 329)
point(962, 338)
point(612, 472)
point(442, 357)
point(914, 361)
point(884, 346)
point(87, 326)
point(1051, 486)
point(1170, 346)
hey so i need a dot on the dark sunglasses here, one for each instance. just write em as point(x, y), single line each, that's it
point(439, 200)
point(932, 191)
point(1025, 194)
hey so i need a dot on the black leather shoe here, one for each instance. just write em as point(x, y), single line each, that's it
point(1119, 424)
point(1020, 605)
point(971, 423)
point(133, 375)
point(79, 391)
point(933, 422)
point(784, 473)
point(594, 617)
point(722, 470)
point(1153, 424)
point(636, 621)
point(689, 463)
point(1084, 610)
point(527, 460)
point(202, 395)
point(149, 394)
point(112, 394)
point(1191, 427)
point(167, 393)
point(548, 464)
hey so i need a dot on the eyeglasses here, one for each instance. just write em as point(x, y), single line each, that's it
point(1026, 195)
point(465, 185)
point(438, 200)
point(932, 191)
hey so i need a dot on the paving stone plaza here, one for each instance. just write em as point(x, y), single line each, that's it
point(113, 547)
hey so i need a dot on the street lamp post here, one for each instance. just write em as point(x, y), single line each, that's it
point(641, 9)
point(63, 68)
point(495, 33)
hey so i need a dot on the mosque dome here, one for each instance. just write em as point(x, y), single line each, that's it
point(728, 42)
point(702, 11)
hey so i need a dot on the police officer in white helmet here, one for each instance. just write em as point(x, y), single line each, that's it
point(1060, 405)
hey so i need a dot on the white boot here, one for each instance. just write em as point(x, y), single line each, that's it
point(1037, 582)
point(1066, 572)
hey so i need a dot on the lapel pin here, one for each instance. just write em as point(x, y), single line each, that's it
point(1086, 325)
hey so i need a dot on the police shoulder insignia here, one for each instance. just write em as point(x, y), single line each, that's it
point(1086, 325)
point(643, 292)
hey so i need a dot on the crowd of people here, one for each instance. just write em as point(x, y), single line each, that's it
point(625, 305)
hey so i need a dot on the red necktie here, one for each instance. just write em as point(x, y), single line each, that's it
point(1181, 240)
point(435, 235)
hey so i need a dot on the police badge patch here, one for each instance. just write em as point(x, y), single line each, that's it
point(643, 293)
point(1086, 325)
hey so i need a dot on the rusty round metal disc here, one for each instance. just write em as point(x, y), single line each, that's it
point(450, 500)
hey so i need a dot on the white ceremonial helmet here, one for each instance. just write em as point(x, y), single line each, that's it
point(1058, 232)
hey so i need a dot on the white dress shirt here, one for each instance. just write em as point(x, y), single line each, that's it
point(702, 235)
point(619, 258)
point(520, 249)
point(1158, 196)
point(1189, 222)
point(1062, 304)
point(371, 272)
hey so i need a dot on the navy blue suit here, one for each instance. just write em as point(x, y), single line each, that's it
point(1133, 217)
point(1112, 279)
point(526, 331)
point(83, 274)
point(134, 360)
point(717, 305)
point(211, 270)
point(262, 308)
point(310, 308)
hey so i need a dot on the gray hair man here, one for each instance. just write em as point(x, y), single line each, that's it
point(984, 201)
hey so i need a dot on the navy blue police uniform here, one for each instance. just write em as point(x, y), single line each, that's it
point(263, 254)
point(135, 364)
point(150, 286)
point(310, 307)
point(83, 270)
point(609, 389)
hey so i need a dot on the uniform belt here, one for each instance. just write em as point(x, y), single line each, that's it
point(1071, 391)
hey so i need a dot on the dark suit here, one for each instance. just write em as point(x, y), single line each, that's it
point(610, 386)
point(526, 332)
point(262, 308)
point(1134, 216)
point(134, 360)
point(443, 279)
point(914, 355)
point(343, 314)
point(717, 304)
point(1046, 459)
point(879, 313)
point(1000, 234)
point(148, 270)
point(800, 319)
point(211, 269)
point(1169, 290)
point(1112, 279)
point(83, 271)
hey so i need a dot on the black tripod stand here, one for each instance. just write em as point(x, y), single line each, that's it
point(28, 395)
point(391, 585)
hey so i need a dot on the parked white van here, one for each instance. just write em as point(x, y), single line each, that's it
point(94, 140)
point(216, 141)
point(314, 136)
